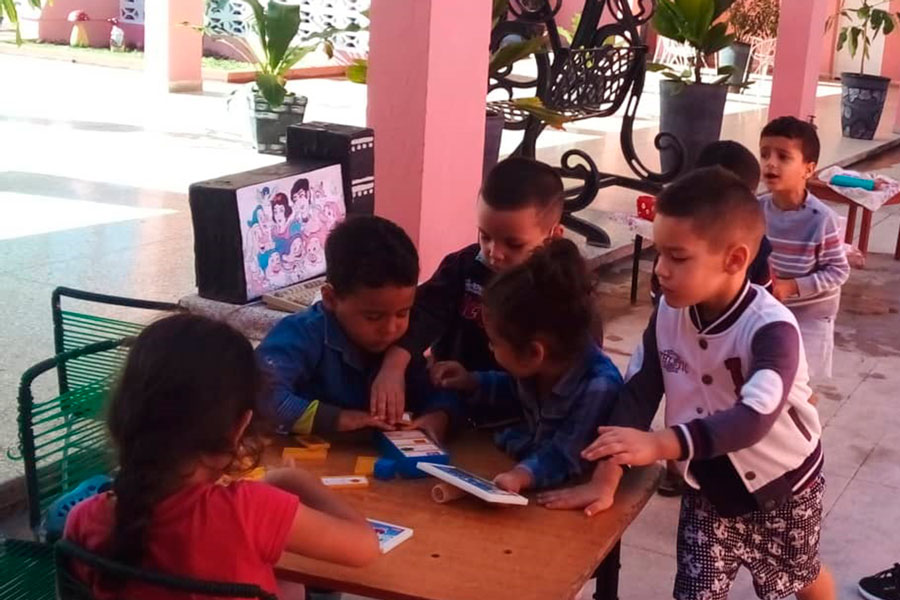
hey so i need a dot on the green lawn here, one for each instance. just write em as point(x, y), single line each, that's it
point(128, 57)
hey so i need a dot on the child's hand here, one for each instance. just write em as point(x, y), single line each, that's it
point(514, 480)
point(351, 420)
point(453, 376)
point(434, 424)
point(627, 446)
point(593, 496)
point(388, 394)
point(785, 288)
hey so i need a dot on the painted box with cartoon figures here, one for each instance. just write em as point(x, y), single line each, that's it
point(259, 231)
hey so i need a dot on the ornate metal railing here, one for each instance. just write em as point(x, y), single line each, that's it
point(599, 72)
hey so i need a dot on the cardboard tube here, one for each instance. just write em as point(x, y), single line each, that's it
point(444, 492)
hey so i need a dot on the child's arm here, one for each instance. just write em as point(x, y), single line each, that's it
point(558, 458)
point(289, 354)
point(832, 268)
point(639, 398)
point(325, 526)
point(775, 351)
point(593, 496)
point(437, 301)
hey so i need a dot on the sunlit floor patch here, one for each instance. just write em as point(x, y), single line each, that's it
point(26, 214)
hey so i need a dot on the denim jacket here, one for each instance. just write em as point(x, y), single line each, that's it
point(549, 442)
point(315, 371)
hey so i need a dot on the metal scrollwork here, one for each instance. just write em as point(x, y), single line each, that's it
point(602, 70)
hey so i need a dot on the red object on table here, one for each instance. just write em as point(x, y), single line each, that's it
point(646, 207)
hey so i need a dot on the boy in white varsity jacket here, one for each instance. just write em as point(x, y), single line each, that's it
point(728, 357)
point(808, 258)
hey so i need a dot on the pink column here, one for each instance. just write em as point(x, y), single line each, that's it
point(798, 58)
point(890, 62)
point(173, 51)
point(426, 86)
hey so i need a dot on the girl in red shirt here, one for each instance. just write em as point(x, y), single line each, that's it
point(181, 418)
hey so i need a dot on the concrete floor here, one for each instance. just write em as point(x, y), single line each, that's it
point(93, 177)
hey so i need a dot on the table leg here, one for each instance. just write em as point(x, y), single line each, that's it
point(851, 223)
point(897, 247)
point(636, 266)
point(865, 227)
point(607, 575)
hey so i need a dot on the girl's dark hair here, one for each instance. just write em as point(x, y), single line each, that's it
point(549, 295)
point(300, 185)
point(281, 199)
point(186, 384)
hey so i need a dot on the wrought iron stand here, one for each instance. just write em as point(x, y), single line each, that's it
point(601, 70)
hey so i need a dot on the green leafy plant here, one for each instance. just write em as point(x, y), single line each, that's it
point(271, 49)
point(865, 23)
point(693, 22)
point(9, 10)
point(754, 19)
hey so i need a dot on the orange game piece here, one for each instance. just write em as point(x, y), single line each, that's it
point(365, 465)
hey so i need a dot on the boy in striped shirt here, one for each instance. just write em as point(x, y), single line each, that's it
point(808, 260)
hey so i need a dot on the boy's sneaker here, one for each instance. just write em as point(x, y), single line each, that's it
point(881, 586)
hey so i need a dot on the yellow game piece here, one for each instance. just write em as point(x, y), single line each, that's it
point(346, 482)
point(313, 442)
point(365, 465)
point(255, 475)
point(304, 453)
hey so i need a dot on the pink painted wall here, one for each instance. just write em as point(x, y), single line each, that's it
point(174, 53)
point(798, 58)
point(829, 41)
point(53, 26)
point(890, 64)
point(427, 67)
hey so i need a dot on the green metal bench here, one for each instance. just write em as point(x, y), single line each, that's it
point(72, 588)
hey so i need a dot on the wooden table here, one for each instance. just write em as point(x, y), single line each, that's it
point(824, 192)
point(470, 550)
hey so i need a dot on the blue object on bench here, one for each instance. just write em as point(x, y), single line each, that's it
point(853, 182)
point(59, 510)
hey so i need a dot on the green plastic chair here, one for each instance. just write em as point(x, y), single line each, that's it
point(27, 571)
point(72, 588)
point(73, 330)
point(63, 439)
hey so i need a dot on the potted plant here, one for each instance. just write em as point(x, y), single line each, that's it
point(863, 96)
point(8, 10)
point(692, 109)
point(272, 53)
point(750, 20)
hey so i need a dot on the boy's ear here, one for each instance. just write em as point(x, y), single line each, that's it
point(556, 232)
point(810, 170)
point(536, 351)
point(737, 259)
point(329, 296)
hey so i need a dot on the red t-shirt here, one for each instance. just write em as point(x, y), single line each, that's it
point(233, 533)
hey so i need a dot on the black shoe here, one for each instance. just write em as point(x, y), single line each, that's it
point(881, 586)
point(672, 485)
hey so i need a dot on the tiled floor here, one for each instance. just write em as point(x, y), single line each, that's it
point(78, 139)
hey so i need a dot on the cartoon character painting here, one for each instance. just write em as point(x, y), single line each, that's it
point(284, 226)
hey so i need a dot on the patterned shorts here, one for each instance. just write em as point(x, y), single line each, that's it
point(780, 548)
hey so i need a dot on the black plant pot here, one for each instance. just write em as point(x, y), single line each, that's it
point(270, 125)
point(693, 114)
point(862, 102)
point(493, 132)
point(737, 55)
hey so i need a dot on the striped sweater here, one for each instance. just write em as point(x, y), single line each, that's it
point(807, 247)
